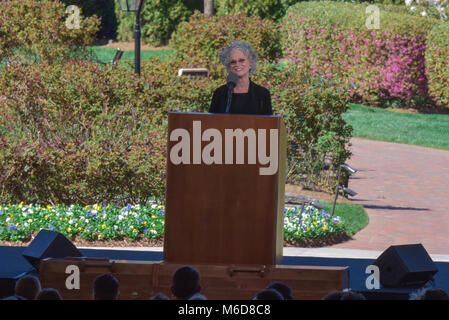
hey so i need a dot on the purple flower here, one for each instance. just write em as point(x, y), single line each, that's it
point(161, 212)
point(145, 230)
point(51, 228)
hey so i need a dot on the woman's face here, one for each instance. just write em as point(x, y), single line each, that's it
point(239, 63)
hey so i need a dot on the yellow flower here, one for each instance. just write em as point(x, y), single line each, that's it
point(11, 216)
point(60, 219)
point(30, 220)
point(69, 230)
point(297, 233)
point(145, 223)
point(49, 207)
point(46, 217)
point(21, 205)
point(79, 229)
point(308, 228)
point(153, 216)
point(339, 223)
point(103, 227)
point(324, 229)
point(314, 223)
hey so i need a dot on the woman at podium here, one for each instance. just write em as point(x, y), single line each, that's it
point(240, 94)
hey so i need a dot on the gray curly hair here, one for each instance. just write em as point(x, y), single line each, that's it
point(243, 47)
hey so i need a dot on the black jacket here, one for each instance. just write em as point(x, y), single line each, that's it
point(259, 100)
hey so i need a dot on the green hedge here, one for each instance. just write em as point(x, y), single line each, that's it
point(204, 37)
point(158, 20)
point(73, 132)
point(437, 57)
point(266, 9)
point(38, 29)
point(103, 9)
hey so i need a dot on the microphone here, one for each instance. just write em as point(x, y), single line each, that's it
point(231, 80)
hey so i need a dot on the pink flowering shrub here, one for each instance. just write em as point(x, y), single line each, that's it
point(375, 66)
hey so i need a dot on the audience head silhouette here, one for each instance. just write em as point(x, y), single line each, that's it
point(28, 287)
point(186, 282)
point(430, 294)
point(197, 296)
point(283, 289)
point(268, 294)
point(344, 295)
point(48, 294)
point(106, 287)
point(159, 296)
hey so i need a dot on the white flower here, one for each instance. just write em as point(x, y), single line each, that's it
point(424, 14)
point(94, 211)
point(7, 219)
point(87, 221)
point(115, 227)
point(408, 2)
point(412, 8)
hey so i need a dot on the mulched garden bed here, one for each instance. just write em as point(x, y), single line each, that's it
point(79, 242)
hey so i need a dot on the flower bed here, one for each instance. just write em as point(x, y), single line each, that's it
point(133, 223)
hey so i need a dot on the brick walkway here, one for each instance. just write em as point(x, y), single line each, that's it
point(405, 191)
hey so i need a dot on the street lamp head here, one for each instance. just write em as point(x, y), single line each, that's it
point(131, 5)
point(349, 168)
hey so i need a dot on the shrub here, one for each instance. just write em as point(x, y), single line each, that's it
point(158, 20)
point(437, 56)
point(204, 37)
point(103, 9)
point(74, 132)
point(38, 29)
point(312, 108)
point(376, 66)
point(266, 9)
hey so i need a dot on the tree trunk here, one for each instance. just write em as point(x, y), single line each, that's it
point(209, 8)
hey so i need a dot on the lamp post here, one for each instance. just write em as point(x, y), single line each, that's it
point(134, 6)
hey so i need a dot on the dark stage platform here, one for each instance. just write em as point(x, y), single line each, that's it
point(13, 266)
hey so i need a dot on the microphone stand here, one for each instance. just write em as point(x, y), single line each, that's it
point(229, 97)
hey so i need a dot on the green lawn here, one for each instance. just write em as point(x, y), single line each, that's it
point(354, 215)
point(107, 54)
point(428, 130)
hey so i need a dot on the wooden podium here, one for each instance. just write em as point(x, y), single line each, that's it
point(224, 198)
point(224, 215)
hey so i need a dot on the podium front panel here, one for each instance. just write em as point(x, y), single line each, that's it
point(225, 213)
